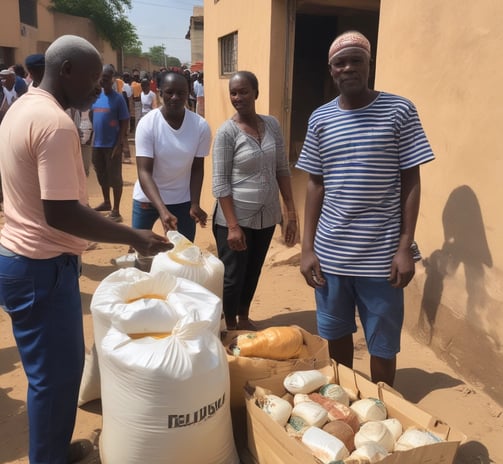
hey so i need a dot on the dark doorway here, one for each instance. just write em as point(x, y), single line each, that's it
point(315, 29)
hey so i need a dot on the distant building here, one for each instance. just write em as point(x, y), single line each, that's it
point(30, 26)
point(196, 36)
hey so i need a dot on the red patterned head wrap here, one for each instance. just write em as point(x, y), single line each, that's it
point(350, 39)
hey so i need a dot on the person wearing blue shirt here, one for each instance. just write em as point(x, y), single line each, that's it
point(110, 118)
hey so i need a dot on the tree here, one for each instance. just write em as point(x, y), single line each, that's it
point(134, 50)
point(159, 58)
point(108, 17)
point(156, 55)
point(172, 61)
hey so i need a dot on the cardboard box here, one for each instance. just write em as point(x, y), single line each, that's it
point(269, 443)
point(243, 369)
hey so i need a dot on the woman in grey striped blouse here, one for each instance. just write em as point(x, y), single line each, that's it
point(250, 170)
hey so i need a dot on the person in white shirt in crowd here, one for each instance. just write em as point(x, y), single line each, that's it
point(8, 79)
point(148, 98)
point(199, 92)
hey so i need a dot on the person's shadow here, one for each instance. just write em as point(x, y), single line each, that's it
point(464, 243)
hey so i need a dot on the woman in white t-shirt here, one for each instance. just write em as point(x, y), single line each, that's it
point(148, 98)
point(171, 143)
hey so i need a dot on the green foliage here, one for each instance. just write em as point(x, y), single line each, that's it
point(156, 55)
point(108, 17)
point(159, 58)
point(173, 61)
point(134, 50)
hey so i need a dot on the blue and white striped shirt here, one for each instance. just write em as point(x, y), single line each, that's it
point(360, 154)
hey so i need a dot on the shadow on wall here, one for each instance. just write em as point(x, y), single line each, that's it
point(464, 243)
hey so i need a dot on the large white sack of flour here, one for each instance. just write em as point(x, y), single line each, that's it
point(153, 298)
point(165, 400)
point(160, 299)
point(187, 260)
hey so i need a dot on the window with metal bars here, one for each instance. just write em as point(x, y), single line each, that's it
point(28, 12)
point(228, 45)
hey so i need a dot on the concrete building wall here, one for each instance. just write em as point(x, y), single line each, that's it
point(197, 35)
point(26, 39)
point(443, 56)
point(138, 62)
point(252, 21)
point(10, 35)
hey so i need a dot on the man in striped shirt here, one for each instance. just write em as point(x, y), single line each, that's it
point(362, 152)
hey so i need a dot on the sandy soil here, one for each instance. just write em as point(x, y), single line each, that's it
point(282, 299)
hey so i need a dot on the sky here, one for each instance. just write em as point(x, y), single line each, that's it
point(164, 22)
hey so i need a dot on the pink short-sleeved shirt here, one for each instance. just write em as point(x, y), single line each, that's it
point(40, 159)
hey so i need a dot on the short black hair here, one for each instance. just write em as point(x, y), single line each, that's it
point(249, 76)
point(165, 74)
point(19, 70)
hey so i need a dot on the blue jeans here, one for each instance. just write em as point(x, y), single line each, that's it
point(42, 298)
point(145, 215)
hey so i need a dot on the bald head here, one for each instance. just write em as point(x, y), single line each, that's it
point(69, 48)
point(72, 72)
point(109, 69)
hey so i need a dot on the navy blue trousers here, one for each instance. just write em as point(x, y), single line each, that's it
point(42, 297)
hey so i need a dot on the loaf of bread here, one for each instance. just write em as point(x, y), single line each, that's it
point(278, 343)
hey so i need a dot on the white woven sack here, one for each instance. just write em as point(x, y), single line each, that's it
point(90, 384)
point(165, 400)
point(112, 297)
point(189, 261)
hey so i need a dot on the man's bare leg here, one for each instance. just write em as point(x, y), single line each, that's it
point(383, 370)
point(341, 350)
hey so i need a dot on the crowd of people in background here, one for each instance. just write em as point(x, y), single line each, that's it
point(141, 91)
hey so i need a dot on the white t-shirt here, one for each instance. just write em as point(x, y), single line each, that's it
point(10, 95)
point(127, 89)
point(147, 102)
point(199, 91)
point(173, 152)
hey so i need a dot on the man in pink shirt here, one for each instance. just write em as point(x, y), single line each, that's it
point(47, 226)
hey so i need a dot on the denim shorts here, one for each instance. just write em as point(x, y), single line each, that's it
point(380, 307)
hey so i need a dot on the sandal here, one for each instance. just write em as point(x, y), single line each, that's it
point(116, 217)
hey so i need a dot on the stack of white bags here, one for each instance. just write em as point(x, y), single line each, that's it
point(165, 384)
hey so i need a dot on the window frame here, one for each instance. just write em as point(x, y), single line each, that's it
point(28, 13)
point(228, 54)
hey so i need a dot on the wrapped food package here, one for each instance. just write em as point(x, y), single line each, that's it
point(279, 343)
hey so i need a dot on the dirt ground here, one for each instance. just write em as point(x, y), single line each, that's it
point(282, 298)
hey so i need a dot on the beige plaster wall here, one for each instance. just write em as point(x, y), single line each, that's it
point(36, 39)
point(50, 26)
point(252, 20)
point(9, 24)
point(445, 57)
